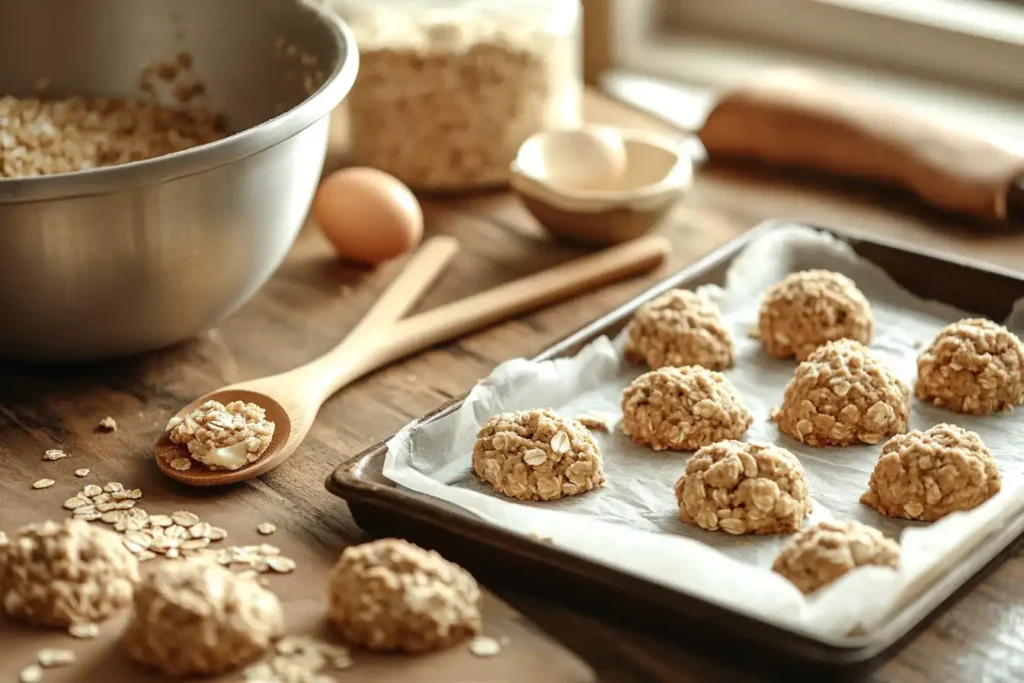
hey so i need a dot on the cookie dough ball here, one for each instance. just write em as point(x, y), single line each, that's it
point(393, 595)
point(537, 455)
point(679, 328)
point(820, 554)
point(197, 618)
point(927, 475)
point(63, 573)
point(744, 488)
point(842, 395)
point(683, 409)
point(809, 308)
point(973, 366)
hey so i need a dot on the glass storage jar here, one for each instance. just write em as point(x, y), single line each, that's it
point(448, 90)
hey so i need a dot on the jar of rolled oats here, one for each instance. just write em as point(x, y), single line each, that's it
point(448, 90)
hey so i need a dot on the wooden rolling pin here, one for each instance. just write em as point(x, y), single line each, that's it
point(798, 119)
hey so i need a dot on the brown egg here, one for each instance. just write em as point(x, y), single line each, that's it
point(368, 215)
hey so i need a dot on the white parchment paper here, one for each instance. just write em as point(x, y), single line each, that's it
point(632, 523)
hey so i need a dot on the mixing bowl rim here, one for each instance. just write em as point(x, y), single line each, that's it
point(237, 146)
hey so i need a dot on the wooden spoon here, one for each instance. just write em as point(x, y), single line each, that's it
point(293, 399)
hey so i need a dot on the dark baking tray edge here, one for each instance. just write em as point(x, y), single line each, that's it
point(388, 510)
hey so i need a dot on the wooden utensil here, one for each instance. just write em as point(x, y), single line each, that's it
point(791, 117)
point(293, 399)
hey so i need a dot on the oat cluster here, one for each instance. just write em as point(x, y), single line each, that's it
point(43, 137)
point(196, 618)
point(811, 307)
point(447, 106)
point(222, 437)
point(62, 573)
point(744, 488)
point(679, 328)
point(928, 475)
point(842, 395)
point(973, 366)
point(820, 554)
point(392, 595)
point(683, 409)
point(537, 455)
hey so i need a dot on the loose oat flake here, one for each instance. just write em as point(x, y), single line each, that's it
point(483, 646)
point(85, 631)
point(52, 658)
point(31, 674)
point(108, 424)
point(266, 528)
point(84, 472)
point(43, 484)
point(54, 454)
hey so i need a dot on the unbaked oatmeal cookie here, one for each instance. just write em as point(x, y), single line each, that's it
point(820, 554)
point(744, 488)
point(196, 618)
point(392, 595)
point(537, 455)
point(223, 437)
point(64, 573)
point(973, 366)
point(842, 395)
point(809, 308)
point(683, 409)
point(927, 475)
point(679, 328)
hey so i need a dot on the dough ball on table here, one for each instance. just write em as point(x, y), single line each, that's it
point(809, 308)
point(392, 595)
point(927, 475)
point(973, 366)
point(537, 455)
point(679, 328)
point(197, 618)
point(683, 409)
point(744, 488)
point(842, 395)
point(63, 573)
point(820, 554)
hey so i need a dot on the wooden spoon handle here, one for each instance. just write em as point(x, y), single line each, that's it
point(794, 118)
point(410, 284)
point(336, 369)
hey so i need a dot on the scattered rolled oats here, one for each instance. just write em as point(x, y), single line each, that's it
point(84, 472)
point(195, 618)
point(744, 488)
point(679, 328)
point(537, 455)
point(41, 137)
point(84, 630)
point(57, 574)
point(928, 475)
point(842, 395)
point(820, 554)
point(31, 674)
point(181, 464)
point(483, 646)
point(594, 423)
point(223, 436)
point(52, 658)
point(43, 484)
point(392, 595)
point(973, 366)
point(54, 454)
point(108, 424)
point(300, 659)
point(266, 528)
point(811, 307)
point(683, 409)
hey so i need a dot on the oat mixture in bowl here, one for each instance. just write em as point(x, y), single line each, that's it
point(164, 179)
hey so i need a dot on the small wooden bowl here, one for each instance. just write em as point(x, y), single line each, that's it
point(657, 174)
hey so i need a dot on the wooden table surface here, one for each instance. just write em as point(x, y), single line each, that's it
point(313, 300)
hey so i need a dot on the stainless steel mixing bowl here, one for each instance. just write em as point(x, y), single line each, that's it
point(124, 259)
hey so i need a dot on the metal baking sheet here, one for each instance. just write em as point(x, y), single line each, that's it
point(382, 508)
